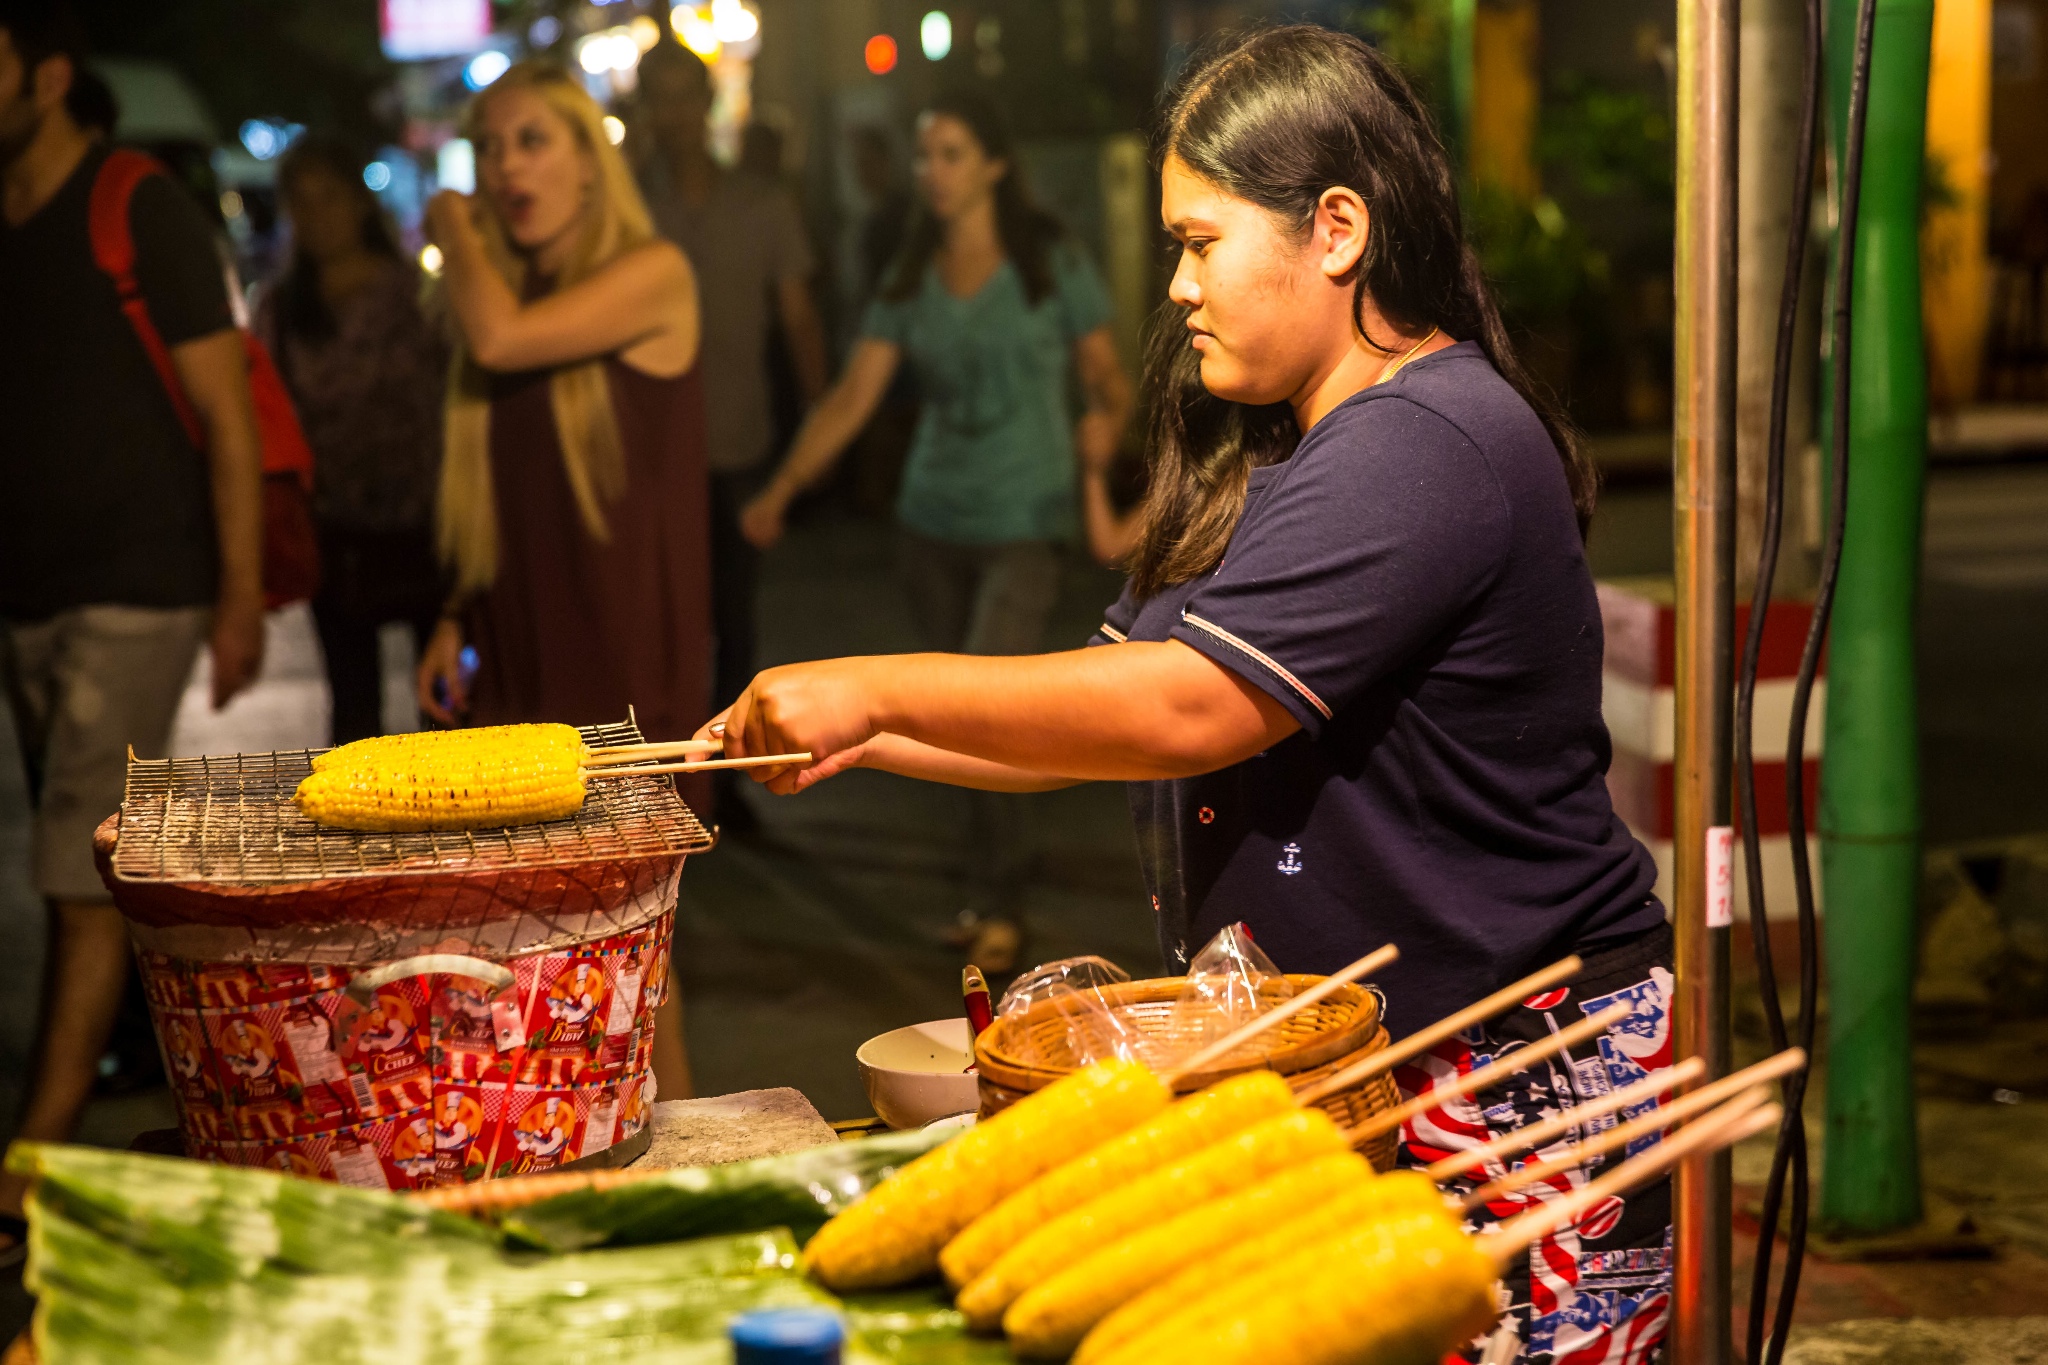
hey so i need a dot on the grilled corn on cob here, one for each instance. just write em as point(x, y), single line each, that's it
point(1396, 1194)
point(1395, 1291)
point(452, 779)
point(380, 748)
point(1242, 1159)
point(1185, 1127)
point(894, 1234)
point(1049, 1319)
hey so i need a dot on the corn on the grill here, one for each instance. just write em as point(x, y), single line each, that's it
point(453, 779)
point(379, 749)
point(1398, 1193)
point(1188, 1126)
point(1242, 1159)
point(1049, 1319)
point(1394, 1291)
point(893, 1235)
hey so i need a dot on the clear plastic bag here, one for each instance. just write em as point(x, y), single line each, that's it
point(1229, 983)
point(1074, 989)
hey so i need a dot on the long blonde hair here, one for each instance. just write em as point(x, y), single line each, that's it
point(615, 220)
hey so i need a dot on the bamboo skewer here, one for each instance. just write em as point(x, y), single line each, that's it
point(1536, 1134)
point(1473, 1081)
point(1600, 1144)
point(1662, 1117)
point(704, 766)
point(641, 753)
point(1287, 1009)
point(1724, 1127)
point(1415, 1044)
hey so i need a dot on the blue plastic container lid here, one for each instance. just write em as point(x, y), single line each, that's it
point(788, 1336)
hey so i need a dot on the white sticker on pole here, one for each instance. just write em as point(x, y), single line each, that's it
point(1720, 876)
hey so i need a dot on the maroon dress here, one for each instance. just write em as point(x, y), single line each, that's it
point(575, 629)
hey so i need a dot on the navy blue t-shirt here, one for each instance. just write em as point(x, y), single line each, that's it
point(1410, 584)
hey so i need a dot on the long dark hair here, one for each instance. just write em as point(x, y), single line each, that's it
point(1276, 116)
point(301, 308)
point(1027, 231)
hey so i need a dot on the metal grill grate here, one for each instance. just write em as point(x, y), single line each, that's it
point(230, 819)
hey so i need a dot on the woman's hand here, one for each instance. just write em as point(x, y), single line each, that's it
point(1096, 438)
point(441, 662)
point(761, 520)
point(450, 214)
point(820, 708)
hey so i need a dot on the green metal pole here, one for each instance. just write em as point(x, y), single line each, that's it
point(1870, 776)
point(1461, 18)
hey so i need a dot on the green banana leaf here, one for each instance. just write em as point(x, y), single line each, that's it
point(798, 1191)
point(141, 1260)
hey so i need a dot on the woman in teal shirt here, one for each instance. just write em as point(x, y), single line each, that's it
point(991, 304)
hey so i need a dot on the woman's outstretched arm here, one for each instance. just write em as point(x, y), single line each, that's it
point(1135, 711)
point(832, 425)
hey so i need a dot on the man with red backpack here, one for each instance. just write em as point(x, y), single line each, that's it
point(124, 544)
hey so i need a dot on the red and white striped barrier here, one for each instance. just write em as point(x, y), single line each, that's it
point(1636, 698)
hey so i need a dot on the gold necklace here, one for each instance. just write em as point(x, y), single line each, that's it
point(1389, 371)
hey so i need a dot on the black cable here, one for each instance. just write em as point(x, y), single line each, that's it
point(1791, 1148)
point(1790, 1157)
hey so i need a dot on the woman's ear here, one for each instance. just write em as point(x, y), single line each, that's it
point(1342, 222)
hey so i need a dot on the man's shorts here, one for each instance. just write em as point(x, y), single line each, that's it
point(1597, 1292)
point(85, 685)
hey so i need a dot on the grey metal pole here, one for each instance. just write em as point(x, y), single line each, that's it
point(1704, 515)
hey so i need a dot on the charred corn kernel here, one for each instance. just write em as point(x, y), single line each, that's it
point(1188, 1126)
point(1396, 1291)
point(893, 1235)
point(1397, 1194)
point(380, 748)
point(1242, 1159)
point(1048, 1320)
point(452, 779)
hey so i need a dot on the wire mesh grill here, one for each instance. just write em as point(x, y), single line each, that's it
point(230, 819)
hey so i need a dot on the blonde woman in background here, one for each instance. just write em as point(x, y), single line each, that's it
point(572, 513)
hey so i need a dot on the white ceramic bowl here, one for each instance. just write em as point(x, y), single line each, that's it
point(917, 1074)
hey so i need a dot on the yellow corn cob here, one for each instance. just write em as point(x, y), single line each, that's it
point(1397, 1291)
point(1188, 1126)
point(894, 1234)
point(1398, 1193)
point(380, 748)
point(453, 779)
point(1244, 1158)
point(1048, 1320)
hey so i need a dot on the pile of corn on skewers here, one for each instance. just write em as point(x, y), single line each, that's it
point(1102, 1219)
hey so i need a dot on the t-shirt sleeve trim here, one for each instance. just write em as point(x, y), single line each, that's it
point(1261, 658)
point(1113, 633)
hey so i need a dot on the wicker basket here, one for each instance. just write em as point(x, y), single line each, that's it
point(1336, 1032)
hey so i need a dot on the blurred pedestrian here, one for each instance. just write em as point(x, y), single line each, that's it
point(572, 503)
point(746, 242)
point(992, 304)
point(123, 546)
point(365, 369)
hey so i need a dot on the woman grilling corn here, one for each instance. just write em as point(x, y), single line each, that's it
point(1354, 680)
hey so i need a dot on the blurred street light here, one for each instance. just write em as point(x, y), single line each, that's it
point(935, 35)
point(880, 54)
point(484, 68)
point(377, 176)
point(695, 31)
point(614, 129)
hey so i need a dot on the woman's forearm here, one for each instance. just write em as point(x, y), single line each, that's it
point(482, 302)
point(1128, 712)
point(829, 429)
point(1110, 534)
point(909, 758)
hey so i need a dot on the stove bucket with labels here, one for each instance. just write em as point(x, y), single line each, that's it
point(399, 1010)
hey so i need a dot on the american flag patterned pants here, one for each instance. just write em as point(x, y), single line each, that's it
point(1597, 1292)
